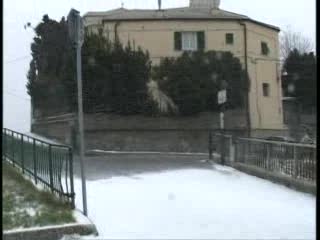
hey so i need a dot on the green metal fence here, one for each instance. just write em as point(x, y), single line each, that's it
point(292, 159)
point(295, 160)
point(51, 165)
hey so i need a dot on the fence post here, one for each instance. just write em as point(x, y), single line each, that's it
point(22, 154)
point(34, 161)
point(12, 146)
point(232, 150)
point(244, 149)
point(268, 163)
point(210, 145)
point(295, 160)
point(236, 150)
point(314, 161)
point(50, 168)
point(71, 178)
point(223, 149)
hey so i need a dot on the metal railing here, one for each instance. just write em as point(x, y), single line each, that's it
point(49, 164)
point(292, 159)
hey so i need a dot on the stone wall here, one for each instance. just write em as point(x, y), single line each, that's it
point(141, 133)
point(149, 140)
point(59, 131)
point(298, 120)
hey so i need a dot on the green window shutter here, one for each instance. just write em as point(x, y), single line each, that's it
point(177, 41)
point(264, 48)
point(229, 38)
point(201, 40)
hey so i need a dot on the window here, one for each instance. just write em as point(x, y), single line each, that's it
point(229, 38)
point(264, 48)
point(189, 41)
point(266, 89)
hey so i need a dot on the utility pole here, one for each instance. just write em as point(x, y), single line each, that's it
point(76, 32)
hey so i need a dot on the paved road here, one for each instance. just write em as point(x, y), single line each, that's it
point(109, 165)
point(186, 203)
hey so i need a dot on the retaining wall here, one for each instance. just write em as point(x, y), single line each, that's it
point(141, 133)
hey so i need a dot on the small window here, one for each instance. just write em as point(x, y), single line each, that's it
point(266, 89)
point(229, 38)
point(264, 48)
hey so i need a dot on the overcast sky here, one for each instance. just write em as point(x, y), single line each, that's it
point(300, 15)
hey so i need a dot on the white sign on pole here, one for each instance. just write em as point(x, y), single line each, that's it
point(76, 27)
point(82, 33)
point(222, 96)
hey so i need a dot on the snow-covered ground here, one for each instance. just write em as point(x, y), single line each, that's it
point(218, 203)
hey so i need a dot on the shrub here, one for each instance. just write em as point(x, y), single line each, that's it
point(194, 79)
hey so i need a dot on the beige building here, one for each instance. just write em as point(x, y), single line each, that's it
point(169, 32)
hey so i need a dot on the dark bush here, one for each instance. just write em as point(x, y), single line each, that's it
point(194, 79)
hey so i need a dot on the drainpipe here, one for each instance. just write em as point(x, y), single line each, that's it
point(246, 70)
point(116, 37)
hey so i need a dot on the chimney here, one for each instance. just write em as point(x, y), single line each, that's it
point(211, 4)
point(159, 4)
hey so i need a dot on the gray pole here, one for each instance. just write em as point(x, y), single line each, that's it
point(222, 135)
point(80, 118)
point(221, 120)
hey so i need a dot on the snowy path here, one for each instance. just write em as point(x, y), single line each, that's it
point(219, 203)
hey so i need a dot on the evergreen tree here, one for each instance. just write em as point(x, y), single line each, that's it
point(301, 70)
point(194, 79)
point(114, 77)
point(49, 50)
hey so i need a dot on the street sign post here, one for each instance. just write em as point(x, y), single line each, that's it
point(222, 99)
point(76, 34)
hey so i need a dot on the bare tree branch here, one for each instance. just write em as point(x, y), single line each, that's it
point(290, 40)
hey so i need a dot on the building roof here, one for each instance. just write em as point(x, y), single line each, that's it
point(186, 13)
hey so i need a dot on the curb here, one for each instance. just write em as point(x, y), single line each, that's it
point(83, 227)
point(103, 153)
point(50, 233)
point(299, 185)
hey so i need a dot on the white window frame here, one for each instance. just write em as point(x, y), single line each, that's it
point(189, 41)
